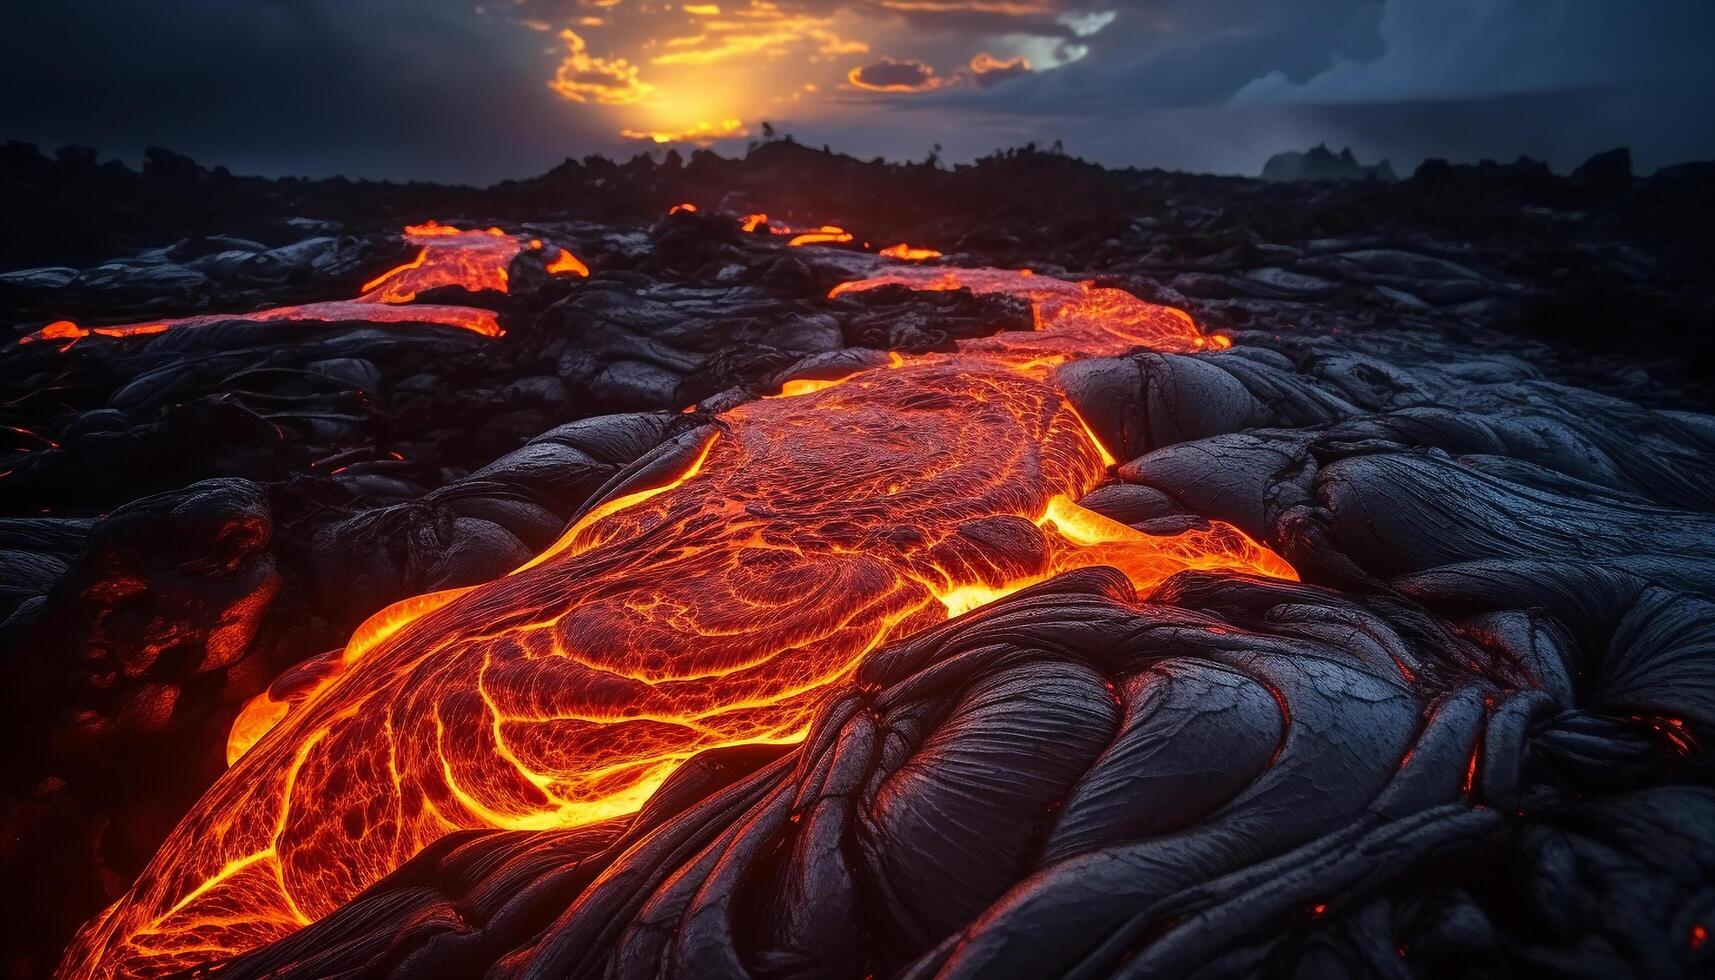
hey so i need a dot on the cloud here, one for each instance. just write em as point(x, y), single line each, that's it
point(1470, 49)
point(718, 41)
point(1085, 24)
point(582, 77)
point(987, 70)
point(910, 76)
point(917, 11)
point(814, 27)
point(425, 89)
point(678, 65)
point(1156, 54)
point(993, 8)
point(889, 75)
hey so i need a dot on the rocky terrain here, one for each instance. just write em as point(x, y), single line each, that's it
point(1464, 406)
point(1321, 163)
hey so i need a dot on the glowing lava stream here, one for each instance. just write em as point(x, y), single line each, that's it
point(709, 609)
point(447, 256)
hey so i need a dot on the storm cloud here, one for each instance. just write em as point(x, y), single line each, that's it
point(438, 89)
point(1475, 49)
point(419, 88)
point(888, 75)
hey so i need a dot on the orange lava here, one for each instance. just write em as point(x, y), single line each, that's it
point(447, 256)
point(57, 330)
point(709, 608)
point(474, 260)
point(909, 254)
point(464, 317)
point(260, 714)
point(759, 222)
point(825, 235)
point(687, 207)
point(568, 264)
point(434, 229)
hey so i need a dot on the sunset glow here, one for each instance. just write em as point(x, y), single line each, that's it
point(703, 73)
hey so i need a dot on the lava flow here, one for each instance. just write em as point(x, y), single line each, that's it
point(909, 253)
point(711, 607)
point(447, 256)
point(822, 235)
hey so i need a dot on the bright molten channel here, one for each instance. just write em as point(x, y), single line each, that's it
point(708, 609)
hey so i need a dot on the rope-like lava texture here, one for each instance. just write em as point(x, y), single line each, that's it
point(1469, 749)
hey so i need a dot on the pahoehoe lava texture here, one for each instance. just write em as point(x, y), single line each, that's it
point(1070, 731)
point(1476, 757)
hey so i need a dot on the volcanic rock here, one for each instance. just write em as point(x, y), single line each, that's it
point(1321, 163)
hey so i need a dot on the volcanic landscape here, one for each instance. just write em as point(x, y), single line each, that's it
point(798, 566)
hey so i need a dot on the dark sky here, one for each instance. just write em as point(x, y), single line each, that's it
point(442, 89)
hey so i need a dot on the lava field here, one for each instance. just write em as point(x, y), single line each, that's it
point(794, 566)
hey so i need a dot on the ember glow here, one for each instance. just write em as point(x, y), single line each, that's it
point(709, 606)
point(825, 235)
point(566, 263)
point(822, 235)
point(447, 257)
point(907, 253)
point(472, 260)
point(759, 224)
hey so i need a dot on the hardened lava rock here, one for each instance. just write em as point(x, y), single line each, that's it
point(1228, 777)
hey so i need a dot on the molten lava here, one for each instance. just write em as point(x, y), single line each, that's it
point(473, 260)
point(709, 608)
point(909, 253)
point(568, 264)
point(447, 256)
point(825, 235)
